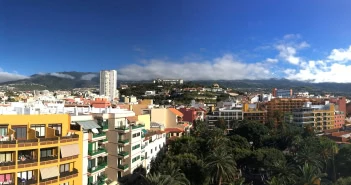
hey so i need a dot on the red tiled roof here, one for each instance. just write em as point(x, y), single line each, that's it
point(176, 130)
point(176, 112)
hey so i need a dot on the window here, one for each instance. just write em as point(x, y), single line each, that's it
point(91, 163)
point(6, 177)
point(57, 127)
point(3, 130)
point(136, 135)
point(5, 156)
point(64, 168)
point(47, 152)
point(135, 146)
point(25, 175)
point(135, 159)
point(21, 132)
point(40, 130)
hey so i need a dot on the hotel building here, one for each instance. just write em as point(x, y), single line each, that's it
point(39, 149)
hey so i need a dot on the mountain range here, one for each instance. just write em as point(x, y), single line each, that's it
point(70, 80)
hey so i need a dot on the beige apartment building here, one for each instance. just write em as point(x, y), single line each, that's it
point(321, 117)
point(169, 117)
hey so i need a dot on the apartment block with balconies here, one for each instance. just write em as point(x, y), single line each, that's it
point(94, 150)
point(39, 149)
point(321, 117)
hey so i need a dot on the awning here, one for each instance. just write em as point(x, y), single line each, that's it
point(69, 150)
point(49, 172)
point(88, 124)
point(145, 131)
point(95, 131)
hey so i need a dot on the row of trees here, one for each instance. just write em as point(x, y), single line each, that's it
point(252, 153)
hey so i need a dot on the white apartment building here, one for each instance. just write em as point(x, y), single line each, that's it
point(108, 83)
point(153, 143)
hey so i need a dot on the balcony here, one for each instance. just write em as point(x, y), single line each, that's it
point(138, 126)
point(97, 152)
point(72, 138)
point(48, 141)
point(123, 154)
point(26, 182)
point(123, 141)
point(68, 175)
point(8, 165)
point(51, 180)
point(99, 135)
point(102, 177)
point(8, 144)
point(123, 167)
point(27, 143)
point(48, 160)
point(123, 129)
point(27, 161)
point(98, 168)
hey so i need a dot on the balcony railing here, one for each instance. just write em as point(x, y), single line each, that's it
point(124, 127)
point(123, 167)
point(99, 135)
point(27, 161)
point(28, 141)
point(7, 163)
point(97, 168)
point(66, 174)
point(49, 139)
point(53, 179)
point(123, 141)
point(8, 142)
point(26, 182)
point(137, 126)
point(102, 177)
point(123, 153)
point(95, 152)
point(42, 159)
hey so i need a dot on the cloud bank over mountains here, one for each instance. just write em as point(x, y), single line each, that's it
point(286, 62)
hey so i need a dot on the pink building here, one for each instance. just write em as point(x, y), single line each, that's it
point(339, 119)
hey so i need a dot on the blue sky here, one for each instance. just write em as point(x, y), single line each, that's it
point(252, 39)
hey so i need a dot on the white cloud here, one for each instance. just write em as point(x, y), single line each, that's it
point(88, 76)
point(222, 68)
point(292, 36)
point(340, 55)
point(271, 60)
point(288, 48)
point(7, 76)
point(60, 75)
point(321, 71)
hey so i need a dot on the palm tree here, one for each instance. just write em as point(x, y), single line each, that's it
point(309, 175)
point(307, 155)
point(284, 171)
point(158, 179)
point(221, 166)
point(275, 181)
point(217, 141)
point(177, 176)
